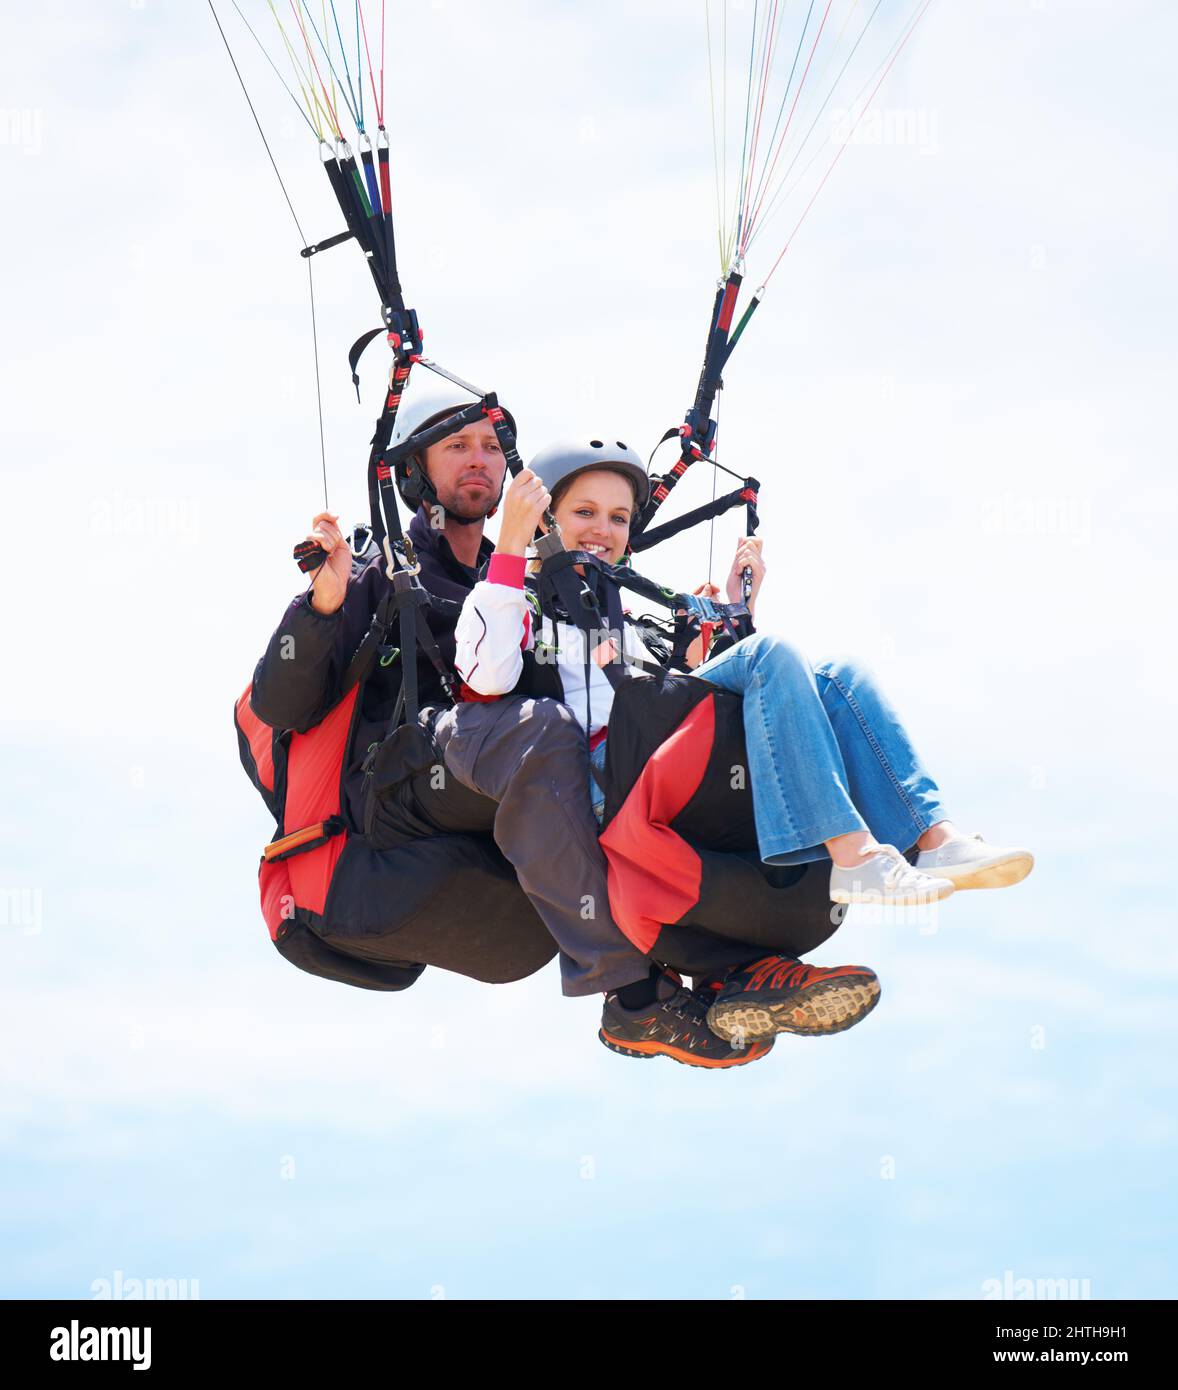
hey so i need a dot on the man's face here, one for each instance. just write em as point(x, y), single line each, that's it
point(467, 470)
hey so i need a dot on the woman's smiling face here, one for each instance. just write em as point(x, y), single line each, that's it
point(595, 513)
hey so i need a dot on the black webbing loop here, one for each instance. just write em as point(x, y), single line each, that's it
point(356, 351)
point(737, 498)
point(370, 647)
point(406, 602)
point(325, 245)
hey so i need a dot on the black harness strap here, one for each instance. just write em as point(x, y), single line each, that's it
point(745, 495)
point(559, 582)
point(503, 433)
point(561, 588)
point(698, 431)
point(340, 177)
point(371, 224)
point(382, 501)
point(370, 647)
point(578, 599)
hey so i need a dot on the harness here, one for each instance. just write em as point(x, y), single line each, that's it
point(591, 600)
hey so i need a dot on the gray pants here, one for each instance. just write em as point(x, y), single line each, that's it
point(529, 757)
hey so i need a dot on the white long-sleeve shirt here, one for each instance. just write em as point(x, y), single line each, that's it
point(496, 627)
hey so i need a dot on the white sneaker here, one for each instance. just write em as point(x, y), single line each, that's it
point(885, 876)
point(968, 862)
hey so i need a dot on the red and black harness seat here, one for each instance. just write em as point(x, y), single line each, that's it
point(338, 908)
point(686, 883)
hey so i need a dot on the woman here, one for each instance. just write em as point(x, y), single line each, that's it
point(832, 771)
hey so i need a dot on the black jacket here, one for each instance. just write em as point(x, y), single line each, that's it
point(297, 681)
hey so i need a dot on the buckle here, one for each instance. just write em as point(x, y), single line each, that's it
point(400, 559)
point(550, 544)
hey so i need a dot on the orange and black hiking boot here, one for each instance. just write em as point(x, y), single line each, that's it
point(674, 1025)
point(778, 994)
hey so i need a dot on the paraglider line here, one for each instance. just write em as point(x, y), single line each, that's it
point(286, 88)
point(797, 96)
point(318, 386)
point(258, 123)
point(784, 98)
point(813, 126)
point(843, 146)
point(302, 238)
point(377, 101)
point(357, 107)
point(322, 85)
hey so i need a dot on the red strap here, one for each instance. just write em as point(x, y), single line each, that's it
point(468, 696)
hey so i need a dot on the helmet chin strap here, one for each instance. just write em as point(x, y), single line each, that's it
point(468, 520)
point(430, 499)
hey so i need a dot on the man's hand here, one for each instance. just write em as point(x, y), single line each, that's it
point(524, 503)
point(331, 578)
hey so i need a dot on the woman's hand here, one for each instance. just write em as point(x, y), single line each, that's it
point(695, 654)
point(524, 503)
point(748, 556)
point(331, 578)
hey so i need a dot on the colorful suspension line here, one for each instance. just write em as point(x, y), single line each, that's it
point(760, 191)
point(361, 186)
point(302, 238)
point(770, 150)
point(897, 49)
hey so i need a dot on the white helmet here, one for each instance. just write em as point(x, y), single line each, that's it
point(557, 462)
point(425, 408)
point(428, 408)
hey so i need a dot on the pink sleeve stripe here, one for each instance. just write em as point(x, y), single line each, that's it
point(508, 570)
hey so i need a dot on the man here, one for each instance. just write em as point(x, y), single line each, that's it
point(454, 487)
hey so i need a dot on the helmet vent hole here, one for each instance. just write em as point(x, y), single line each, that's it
point(620, 445)
point(596, 444)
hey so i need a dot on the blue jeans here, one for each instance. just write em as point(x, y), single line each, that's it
point(596, 777)
point(827, 753)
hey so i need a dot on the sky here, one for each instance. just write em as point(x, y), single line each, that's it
point(957, 399)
